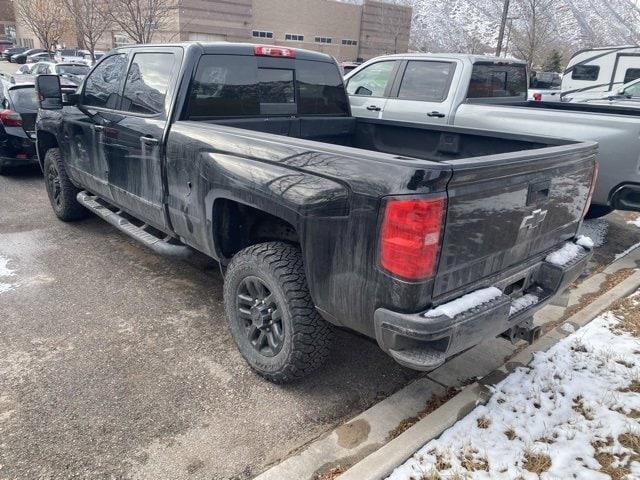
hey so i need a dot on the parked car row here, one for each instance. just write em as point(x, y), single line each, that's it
point(34, 55)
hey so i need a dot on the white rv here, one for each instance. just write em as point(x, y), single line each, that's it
point(593, 72)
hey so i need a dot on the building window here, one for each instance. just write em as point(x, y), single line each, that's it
point(347, 41)
point(262, 34)
point(294, 37)
point(324, 40)
point(26, 42)
point(121, 40)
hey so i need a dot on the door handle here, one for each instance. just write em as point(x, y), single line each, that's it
point(435, 114)
point(373, 108)
point(98, 128)
point(149, 140)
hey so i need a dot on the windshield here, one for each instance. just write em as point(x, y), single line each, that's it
point(24, 99)
point(546, 80)
point(72, 69)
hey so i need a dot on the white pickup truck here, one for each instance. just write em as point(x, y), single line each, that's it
point(491, 93)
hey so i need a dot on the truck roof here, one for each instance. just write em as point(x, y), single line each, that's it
point(231, 48)
point(459, 56)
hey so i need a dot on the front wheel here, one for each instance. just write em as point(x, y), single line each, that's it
point(62, 193)
point(271, 315)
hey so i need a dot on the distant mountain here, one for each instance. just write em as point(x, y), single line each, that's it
point(472, 25)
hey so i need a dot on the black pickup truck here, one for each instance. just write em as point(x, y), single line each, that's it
point(427, 238)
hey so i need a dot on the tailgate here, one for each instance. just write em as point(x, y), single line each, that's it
point(508, 208)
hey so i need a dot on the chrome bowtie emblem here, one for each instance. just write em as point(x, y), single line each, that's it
point(533, 220)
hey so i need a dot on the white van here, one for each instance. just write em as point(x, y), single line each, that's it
point(592, 72)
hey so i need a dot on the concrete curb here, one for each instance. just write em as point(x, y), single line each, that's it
point(381, 463)
point(362, 442)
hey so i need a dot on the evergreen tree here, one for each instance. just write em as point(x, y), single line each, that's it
point(553, 63)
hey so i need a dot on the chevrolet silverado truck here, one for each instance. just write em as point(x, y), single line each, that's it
point(427, 239)
point(491, 93)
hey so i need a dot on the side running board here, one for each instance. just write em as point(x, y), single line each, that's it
point(145, 234)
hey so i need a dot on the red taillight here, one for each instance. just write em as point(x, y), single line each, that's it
point(410, 237)
point(269, 51)
point(537, 97)
point(594, 179)
point(9, 118)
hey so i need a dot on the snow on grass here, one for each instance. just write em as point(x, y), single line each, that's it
point(464, 303)
point(564, 255)
point(572, 413)
point(596, 229)
point(5, 271)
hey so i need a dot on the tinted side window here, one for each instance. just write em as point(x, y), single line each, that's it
point(633, 90)
point(585, 72)
point(320, 89)
point(147, 82)
point(372, 81)
point(102, 87)
point(492, 80)
point(426, 81)
point(631, 74)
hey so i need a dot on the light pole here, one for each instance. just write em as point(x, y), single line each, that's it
point(503, 22)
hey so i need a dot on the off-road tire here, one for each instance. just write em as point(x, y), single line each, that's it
point(307, 337)
point(62, 193)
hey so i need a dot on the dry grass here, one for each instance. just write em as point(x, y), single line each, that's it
point(510, 433)
point(635, 414)
point(332, 473)
point(580, 407)
point(537, 463)
point(442, 462)
point(471, 462)
point(483, 422)
point(435, 402)
point(606, 461)
point(630, 440)
point(633, 387)
point(431, 475)
point(628, 312)
point(578, 346)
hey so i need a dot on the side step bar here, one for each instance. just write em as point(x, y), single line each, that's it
point(140, 233)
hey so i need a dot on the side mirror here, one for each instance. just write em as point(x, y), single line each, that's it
point(363, 91)
point(49, 92)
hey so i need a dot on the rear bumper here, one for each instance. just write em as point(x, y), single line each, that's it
point(424, 343)
point(16, 162)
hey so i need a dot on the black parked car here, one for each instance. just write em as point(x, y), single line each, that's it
point(9, 52)
point(22, 56)
point(17, 125)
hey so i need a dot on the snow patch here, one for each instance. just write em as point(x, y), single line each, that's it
point(5, 271)
point(596, 229)
point(565, 255)
point(585, 242)
point(635, 222)
point(464, 303)
point(565, 401)
point(567, 328)
point(523, 302)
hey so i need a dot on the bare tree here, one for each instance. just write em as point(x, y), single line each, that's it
point(92, 21)
point(141, 19)
point(43, 18)
point(534, 30)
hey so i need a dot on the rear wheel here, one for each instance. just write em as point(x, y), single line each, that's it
point(62, 193)
point(271, 315)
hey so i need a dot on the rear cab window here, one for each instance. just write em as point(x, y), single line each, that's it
point(497, 80)
point(24, 99)
point(241, 86)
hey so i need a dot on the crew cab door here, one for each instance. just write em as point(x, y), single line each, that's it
point(369, 87)
point(135, 152)
point(85, 125)
point(422, 92)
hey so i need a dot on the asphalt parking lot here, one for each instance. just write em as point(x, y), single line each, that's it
point(117, 363)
